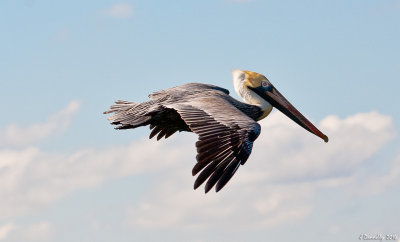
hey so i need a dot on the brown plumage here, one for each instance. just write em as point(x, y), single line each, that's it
point(226, 127)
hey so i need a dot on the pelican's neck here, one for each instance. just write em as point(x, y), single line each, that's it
point(248, 95)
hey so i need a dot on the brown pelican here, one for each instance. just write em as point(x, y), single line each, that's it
point(226, 127)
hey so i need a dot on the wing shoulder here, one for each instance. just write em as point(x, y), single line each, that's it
point(185, 89)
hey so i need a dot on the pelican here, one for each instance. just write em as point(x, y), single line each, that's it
point(226, 127)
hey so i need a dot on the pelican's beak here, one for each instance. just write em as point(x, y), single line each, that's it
point(276, 99)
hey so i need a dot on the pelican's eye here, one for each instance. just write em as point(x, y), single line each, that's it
point(264, 84)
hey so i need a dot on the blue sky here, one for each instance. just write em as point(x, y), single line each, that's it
point(67, 175)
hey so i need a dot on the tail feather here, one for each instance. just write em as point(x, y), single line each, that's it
point(120, 105)
point(163, 121)
point(128, 115)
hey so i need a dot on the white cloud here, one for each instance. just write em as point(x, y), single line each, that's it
point(5, 230)
point(41, 231)
point(172, 204)
point(31, 178)
point(16, 135)
point(289, 152)
point(277, 185)
point(119, 11)
point(38, 231)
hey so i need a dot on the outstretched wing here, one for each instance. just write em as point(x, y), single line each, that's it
point(226, 137)
point(226, 134)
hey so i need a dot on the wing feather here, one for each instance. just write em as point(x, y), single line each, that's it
point(155, 131)
point(219, 170)
point(225, 140)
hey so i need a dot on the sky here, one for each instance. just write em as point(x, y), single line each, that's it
point(67, 175)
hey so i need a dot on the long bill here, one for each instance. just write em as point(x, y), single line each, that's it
point(276, 99)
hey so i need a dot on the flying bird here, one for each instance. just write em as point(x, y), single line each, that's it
point(226, 127)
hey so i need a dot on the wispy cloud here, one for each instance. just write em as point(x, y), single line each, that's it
point(5, 230)
point(38, 231)
point(119, 11)
point(16, 135)
point(41, 231)
point(31, 178)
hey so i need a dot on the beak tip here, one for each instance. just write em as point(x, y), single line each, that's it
point(325, 138)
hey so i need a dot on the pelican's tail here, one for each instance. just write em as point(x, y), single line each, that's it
point(163, 121)
point(129, 115)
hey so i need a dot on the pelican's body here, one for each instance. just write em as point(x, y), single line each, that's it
point(226, 127)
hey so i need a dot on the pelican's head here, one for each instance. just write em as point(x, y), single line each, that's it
point(257, 90)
